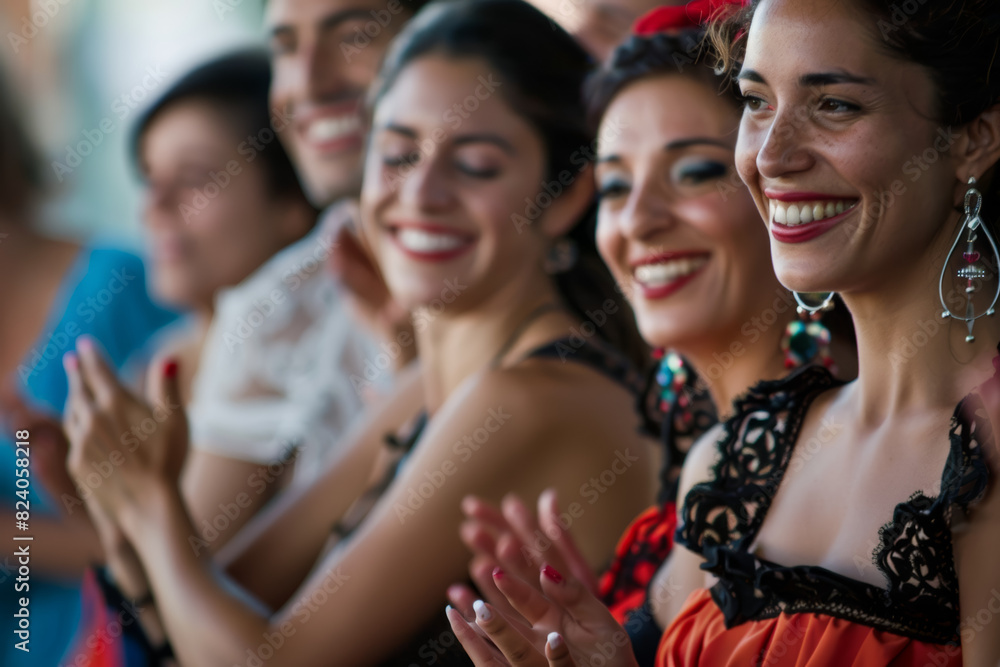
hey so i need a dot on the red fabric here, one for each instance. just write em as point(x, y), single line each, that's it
point(691, 15)
point(640, 552)
point(99, 638)
point(698, 636)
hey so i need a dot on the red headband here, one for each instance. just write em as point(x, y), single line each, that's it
point(691, 15)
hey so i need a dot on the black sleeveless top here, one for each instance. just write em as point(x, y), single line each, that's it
point(721, 518)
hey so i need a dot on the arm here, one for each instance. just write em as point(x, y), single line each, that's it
point(394, 568)
point(223, 494)
point(275, 552)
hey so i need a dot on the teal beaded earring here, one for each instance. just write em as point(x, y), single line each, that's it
point(807, 339)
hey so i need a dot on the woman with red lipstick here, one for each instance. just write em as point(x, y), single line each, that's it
point(518, 387)
point(677, 225)
point(829, 523)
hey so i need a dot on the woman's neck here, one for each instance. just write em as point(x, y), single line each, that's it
point(729, 365)
point(458, 342)
point(910, 358)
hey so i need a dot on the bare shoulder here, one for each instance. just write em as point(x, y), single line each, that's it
point(700, 461)
point(551, 394)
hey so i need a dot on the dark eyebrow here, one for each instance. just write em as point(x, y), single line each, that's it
point(833, 78)
point(696, 141)
point(749, 75)
point(331, 20)
point(483, 137)
point(399, 129)
point(811, 80)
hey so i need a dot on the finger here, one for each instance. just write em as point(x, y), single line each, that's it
point(484, 572)
point(570, 595)
point(482, 654)
point(557, 651)
point(97, 375)
point(518, 650)
point(479, 509)
point(525, 598)
point(522, 522)
point(462, 597)
point(166, 387)
point(86, 432)
point(479, 538)
point(572, 559)
point(517, 557)
point(78, 400)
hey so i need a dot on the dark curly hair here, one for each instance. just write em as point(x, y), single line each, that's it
point(956, 41)
point(684, 52)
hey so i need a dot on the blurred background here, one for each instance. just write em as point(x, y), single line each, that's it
point(84, 70)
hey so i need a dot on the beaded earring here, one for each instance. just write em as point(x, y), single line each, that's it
point(807, 339)
point(972, 224)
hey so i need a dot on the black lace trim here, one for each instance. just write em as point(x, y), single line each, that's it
point(721, 518)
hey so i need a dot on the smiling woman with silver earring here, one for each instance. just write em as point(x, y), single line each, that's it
point(826, 523)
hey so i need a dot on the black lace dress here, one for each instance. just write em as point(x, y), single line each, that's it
point(763, 613)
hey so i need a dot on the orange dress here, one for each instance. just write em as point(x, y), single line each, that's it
point(763, 613)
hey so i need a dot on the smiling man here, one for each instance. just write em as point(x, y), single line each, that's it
point(325, 54)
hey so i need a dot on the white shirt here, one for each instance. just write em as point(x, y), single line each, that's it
point(278, 361)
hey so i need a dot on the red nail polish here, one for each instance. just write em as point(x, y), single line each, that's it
point(552, 574)
point(170, 369)
point(497, 573)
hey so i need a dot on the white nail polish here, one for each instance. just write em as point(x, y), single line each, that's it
point(554, 640)
point(482, 612)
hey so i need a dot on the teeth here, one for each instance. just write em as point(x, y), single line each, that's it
point(418, 240)
point(654, 275)
point(327, 129)
point(801, 213)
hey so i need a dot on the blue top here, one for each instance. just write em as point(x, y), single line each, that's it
point(104, 296)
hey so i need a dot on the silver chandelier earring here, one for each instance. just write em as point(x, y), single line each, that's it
point(813, 311)
point(972, 226)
